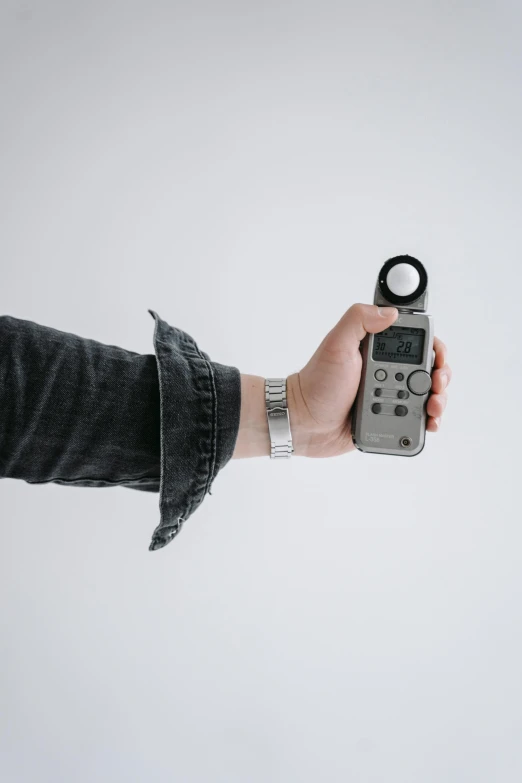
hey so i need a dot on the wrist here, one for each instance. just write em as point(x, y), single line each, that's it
point(300, 435)
point(252, 439)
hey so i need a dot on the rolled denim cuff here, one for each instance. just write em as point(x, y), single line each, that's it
point(200, 403)
point(77, 412)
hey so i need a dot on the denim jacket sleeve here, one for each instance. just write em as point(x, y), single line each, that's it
point(75, 411)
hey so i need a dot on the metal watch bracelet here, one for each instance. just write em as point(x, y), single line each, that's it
point(278, 418)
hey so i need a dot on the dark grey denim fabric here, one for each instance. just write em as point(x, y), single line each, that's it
point(75, 411)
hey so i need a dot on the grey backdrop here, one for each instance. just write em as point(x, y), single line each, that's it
point(244, 168)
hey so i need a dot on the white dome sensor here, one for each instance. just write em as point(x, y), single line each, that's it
point(403, 279)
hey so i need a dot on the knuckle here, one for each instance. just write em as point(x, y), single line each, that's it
point(358, 309)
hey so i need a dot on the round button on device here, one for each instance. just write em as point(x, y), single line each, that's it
point(402, 395)
point(376, 407)
point(401, 410)
point(399, 376)
point(419, 382)
point(378, 392)
point(380, 375)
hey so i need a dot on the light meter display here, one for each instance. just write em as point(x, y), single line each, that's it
point(399, 344)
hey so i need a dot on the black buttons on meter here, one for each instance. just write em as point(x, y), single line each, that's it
point(418, 383)
point(389, 409)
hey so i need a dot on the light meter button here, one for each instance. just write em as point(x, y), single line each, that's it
point(399, 376)
point(380, 375)
point(419, 382)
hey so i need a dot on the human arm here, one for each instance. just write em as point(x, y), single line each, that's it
point(77, 412)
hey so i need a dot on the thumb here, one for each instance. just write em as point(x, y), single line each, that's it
point(359, 320)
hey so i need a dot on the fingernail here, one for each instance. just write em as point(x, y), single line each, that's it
point(444, 379)
point(438, 422)
point(386, 312)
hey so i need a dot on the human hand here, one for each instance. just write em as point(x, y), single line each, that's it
point(320, 397)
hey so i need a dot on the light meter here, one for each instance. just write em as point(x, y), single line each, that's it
point(389, 416)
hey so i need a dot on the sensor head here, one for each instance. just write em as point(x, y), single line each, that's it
point(403, 279)
point(403, 282)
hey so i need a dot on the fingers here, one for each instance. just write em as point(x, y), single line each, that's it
point(440, 353)
point(440, 379)
point(436, 405)
point(439, 398)
point(432, 425)
point(359, 320)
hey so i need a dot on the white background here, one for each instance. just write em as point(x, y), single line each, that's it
point(244, 168)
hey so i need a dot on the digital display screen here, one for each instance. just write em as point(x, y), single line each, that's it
point(399, 344)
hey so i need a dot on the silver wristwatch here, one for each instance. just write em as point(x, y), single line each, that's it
point(278, 418)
